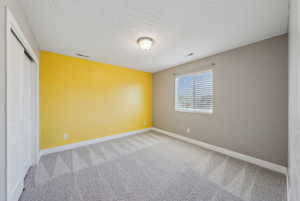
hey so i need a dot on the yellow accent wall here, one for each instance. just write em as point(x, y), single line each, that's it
point(89, 100)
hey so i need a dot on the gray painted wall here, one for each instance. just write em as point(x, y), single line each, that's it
point(294, 102)
point(251, 101)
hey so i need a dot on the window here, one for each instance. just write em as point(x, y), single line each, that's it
point(194, 92)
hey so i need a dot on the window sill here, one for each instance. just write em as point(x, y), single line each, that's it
point(196, 111)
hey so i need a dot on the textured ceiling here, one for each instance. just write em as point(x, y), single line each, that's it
point(107, 30)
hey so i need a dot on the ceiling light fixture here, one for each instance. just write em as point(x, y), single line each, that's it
point(145, 43)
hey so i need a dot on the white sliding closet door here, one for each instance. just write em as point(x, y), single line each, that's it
point(19, 117)
point(15, 124)
point(28, 109)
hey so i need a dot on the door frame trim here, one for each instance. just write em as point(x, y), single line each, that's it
point(12, 24)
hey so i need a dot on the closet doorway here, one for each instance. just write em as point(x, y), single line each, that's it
point(22, 109)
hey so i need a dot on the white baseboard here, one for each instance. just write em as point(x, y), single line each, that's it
point(88, 142)
point(288, 190)
point(15, 194)
point(233, 154)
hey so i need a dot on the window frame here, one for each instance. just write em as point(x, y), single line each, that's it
point(199, 111)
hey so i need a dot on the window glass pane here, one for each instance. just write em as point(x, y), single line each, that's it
point(185, 92)
point(203, 91)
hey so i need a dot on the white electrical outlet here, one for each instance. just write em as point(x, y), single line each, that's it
point(145, 123)
point(188, 130)
point(66, 136)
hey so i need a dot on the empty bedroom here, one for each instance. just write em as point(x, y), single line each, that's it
point(141, 100)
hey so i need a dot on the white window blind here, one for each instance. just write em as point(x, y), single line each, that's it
point(194, 92)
